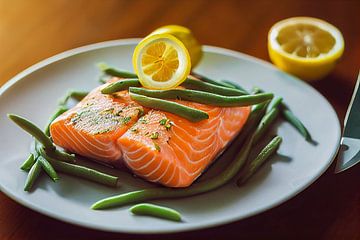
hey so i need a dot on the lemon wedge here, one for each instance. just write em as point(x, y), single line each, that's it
point(161, 61)
point(185, 35)
point(306, 47)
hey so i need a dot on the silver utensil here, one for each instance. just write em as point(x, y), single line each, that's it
point(349, 153)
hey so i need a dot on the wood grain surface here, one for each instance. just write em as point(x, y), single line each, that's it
point(32, 30)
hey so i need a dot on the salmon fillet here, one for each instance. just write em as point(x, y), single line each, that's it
point(93, 126)
point(158, 146)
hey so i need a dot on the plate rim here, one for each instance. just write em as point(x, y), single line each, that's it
point(129, 41)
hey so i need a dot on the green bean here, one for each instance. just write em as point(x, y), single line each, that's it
point(225, 84)
point(208, 80)
point(48, 168)
point(276, 103)
point(115, 72)
point(32, 176)
point(28, 163)
point(264, 154)
point(204, 97)
point(83, 172)
point(77, 95)
point(57, 113)
point(267, 120)
point(197, 188)
point(58, 155)
point(188, 113)
point(188, 83)
point(211, 88)
point(234, 85)
point(120, 85)
point(293, 120)
point(156, 211)
point(33, 130)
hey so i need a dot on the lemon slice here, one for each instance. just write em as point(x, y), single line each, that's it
point(186, 37)
point(161, 61)
point(306, 47)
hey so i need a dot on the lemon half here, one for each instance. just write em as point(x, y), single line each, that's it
point(306, 47)
point(161, 61)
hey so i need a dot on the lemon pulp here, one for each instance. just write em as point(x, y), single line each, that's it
point(306, 47)
point(161, 61)
point(305, 40)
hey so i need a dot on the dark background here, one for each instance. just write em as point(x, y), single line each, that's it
point(33, 30)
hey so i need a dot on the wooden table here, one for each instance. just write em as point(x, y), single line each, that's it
point(33, 30)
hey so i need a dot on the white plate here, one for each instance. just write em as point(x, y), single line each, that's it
point(34, 93)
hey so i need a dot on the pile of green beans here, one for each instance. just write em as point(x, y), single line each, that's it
point(50, 159)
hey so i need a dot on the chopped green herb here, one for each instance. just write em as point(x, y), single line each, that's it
point(143, 120)
point(166, 122)
point(77, 116)
point(168, 126)
point(156, 146)
point(119, 112)
point(154, 135)
point(163, 121)
point(126, 120)
point(102, 131)
point(110, 110)
point(133, 129)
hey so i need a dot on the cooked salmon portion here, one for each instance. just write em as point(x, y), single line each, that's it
point(165, 148)
point(94, 125)
point(156, 145)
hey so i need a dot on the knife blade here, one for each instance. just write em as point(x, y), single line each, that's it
point(349, 153)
